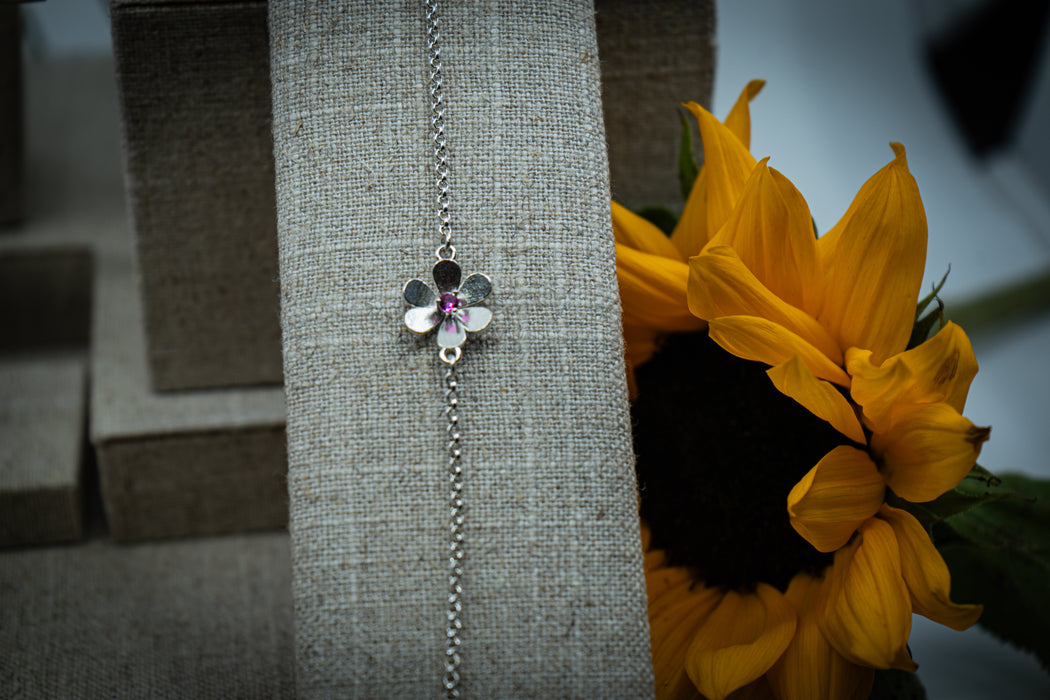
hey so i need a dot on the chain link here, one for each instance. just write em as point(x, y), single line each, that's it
point(455, 559)
point(437, 131)
point(453, 624)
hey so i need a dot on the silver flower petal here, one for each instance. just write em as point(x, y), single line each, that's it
point(447, 275)
point(422, 319)
point(419, 293)
point(451, 333)
point(474, 318)
point(474, 289)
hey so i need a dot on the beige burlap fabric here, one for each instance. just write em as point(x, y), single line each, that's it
point(655, 55)
point(555, 598)
point(202, 618)
point(194, 97)
point(41, 448)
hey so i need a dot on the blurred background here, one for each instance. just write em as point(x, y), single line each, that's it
point(965, 86)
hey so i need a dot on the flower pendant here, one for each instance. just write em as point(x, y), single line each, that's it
point(452, 308)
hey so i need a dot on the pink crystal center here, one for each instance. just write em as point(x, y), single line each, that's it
point(448, 302)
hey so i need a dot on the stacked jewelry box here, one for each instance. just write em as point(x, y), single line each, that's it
point(187, 408)
point(46, 251)
point(195, 105)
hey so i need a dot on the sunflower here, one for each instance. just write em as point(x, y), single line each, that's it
point(653, 269)
point(772, 445)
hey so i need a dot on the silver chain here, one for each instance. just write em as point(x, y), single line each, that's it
point(446, 251)
point(453, 625)
point(437, 131)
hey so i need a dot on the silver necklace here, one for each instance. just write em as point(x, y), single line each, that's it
point(452, 309)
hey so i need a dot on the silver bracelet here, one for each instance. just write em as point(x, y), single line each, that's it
point(450, 307)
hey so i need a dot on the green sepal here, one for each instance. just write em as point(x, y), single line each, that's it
point(925, 301)
point(893, 684)
point(998, 552)
point(920, 330)
point(687, 167)
point(663, 218)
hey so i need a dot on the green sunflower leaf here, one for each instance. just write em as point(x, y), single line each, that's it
point(687, 167)
point(664, 219)
point(979, 486)
point(891, 684)
point(998, 552)
point(981, 474)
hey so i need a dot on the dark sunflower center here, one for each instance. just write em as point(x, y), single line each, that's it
point(719, 448)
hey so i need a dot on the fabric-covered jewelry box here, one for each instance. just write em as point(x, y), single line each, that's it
point(194, 91)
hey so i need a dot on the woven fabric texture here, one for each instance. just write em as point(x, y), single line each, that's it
point(655, 55)
point(41, 446)
point(194, 94)
point(173, 464)
point(204, 618)
point(554, 596)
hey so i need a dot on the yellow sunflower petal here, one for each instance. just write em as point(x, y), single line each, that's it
point(739, 119)
point(793, 378)
point(832, 500)
point(955, 374)
point(867, 616)
point(876, 389)
point(927, 450)
point(678, 687)
point(940, 369)
point(772, 231)
point(720, 284)
point(740, 640)
point(874, 261)
point(727, 166)
point(653, 291)
point(810, 667)
point(639, 233)
point(639, 345)
point(672, 632)
point(759, 339)
point(926, 573)
point(653, 561)
point(666, 586)
point(664, 581)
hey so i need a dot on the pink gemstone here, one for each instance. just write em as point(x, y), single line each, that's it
point(448, 303)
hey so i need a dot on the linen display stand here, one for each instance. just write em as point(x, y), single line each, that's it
point(555, 601)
